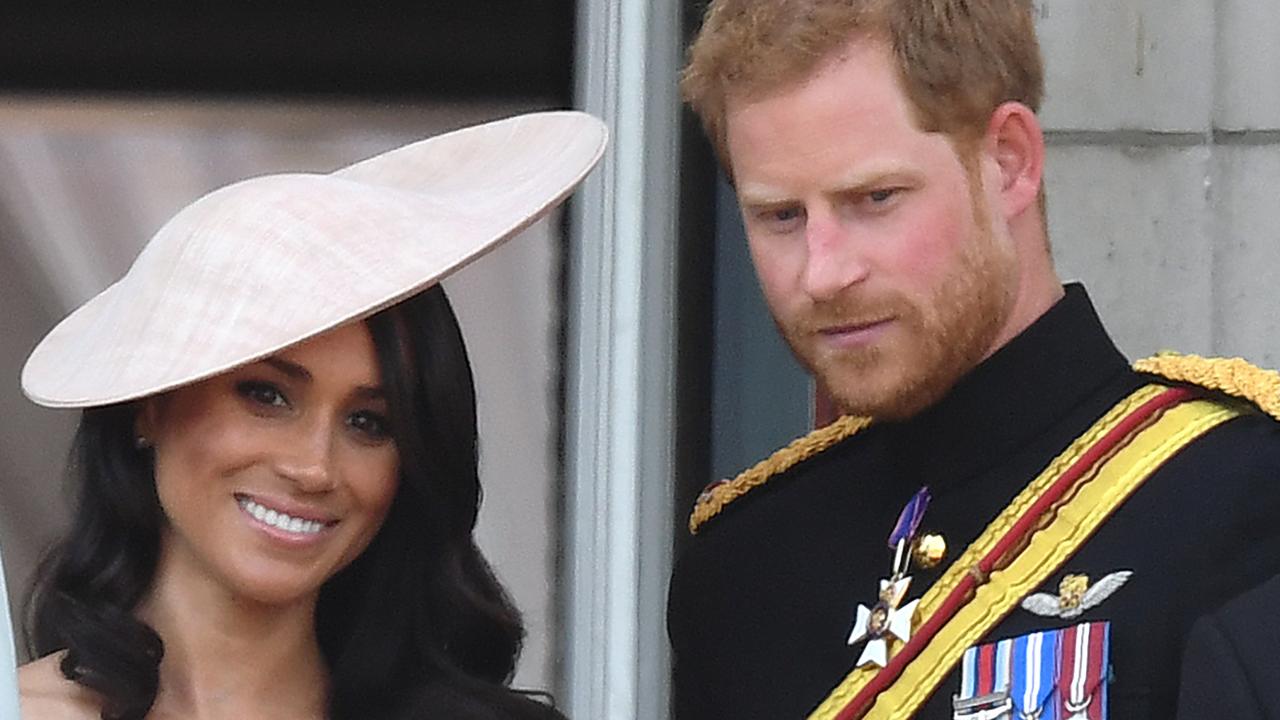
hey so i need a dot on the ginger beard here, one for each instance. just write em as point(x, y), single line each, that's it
point(935, 340)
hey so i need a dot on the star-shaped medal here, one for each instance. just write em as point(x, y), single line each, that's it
point(882, 621)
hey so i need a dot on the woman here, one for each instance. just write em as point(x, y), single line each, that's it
point(277, 457)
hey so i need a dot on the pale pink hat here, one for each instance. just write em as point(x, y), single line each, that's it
point(265, 263)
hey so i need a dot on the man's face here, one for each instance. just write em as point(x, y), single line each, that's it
point(873, 243)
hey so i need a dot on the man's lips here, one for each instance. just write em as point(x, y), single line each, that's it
point(856, 333)
point(853, 326)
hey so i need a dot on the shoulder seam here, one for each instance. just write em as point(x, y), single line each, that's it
point(718, 495)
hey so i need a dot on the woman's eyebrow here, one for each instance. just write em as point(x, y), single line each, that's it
point(293, 370)
point(298, 372)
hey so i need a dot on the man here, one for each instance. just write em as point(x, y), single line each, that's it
point(889, 162)
point(1230, 667)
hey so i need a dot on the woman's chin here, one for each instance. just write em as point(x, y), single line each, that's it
point(272, 587)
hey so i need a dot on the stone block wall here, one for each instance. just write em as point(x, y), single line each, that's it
point(1163, 120)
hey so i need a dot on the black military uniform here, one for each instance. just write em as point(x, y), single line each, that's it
point(763, 600)
point(1231, 668)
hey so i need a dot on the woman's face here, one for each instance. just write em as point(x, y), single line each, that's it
point(276, 475)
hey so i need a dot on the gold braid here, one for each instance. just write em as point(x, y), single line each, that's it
point(713, 500)
point(1232, 376)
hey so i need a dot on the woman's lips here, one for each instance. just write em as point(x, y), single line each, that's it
point(300, 526)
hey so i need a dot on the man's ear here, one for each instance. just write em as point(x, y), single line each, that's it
point(1016, 143)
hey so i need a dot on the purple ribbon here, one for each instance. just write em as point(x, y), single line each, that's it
point(909, 519)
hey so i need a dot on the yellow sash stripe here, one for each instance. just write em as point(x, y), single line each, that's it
point(1095, 497)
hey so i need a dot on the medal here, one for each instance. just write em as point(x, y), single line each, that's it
point(1013, 679)
point(1082, 686)
point(888, 618)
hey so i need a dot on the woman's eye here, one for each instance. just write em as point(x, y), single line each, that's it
point(262, 393)
point(370, 424)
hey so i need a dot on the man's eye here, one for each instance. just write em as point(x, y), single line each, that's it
point(370, 424)
point(262, 393)
point(878, 197)
point(785, 214)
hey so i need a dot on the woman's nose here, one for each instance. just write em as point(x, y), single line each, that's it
point(308, 460)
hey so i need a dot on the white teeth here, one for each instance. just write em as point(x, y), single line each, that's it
point(279, 519)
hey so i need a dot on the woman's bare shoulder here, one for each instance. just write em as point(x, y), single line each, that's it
point(46, 695)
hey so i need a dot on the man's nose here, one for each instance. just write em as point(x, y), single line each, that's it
point(308, 461)
point(834, 261)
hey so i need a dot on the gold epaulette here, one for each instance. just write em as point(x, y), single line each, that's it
point(1233, 376)
point(713, 499)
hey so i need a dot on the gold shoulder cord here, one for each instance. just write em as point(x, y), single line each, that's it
point(1232, 376)
point(799, 450)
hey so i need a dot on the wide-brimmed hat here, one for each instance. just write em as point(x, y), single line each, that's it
point(265, 263)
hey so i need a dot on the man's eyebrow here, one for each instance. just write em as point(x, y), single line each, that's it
point(763, 196)
point(293, 370)
point(872, 178)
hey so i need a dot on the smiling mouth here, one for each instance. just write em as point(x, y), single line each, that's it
point(281, 520)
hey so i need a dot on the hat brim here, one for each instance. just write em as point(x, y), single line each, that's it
point(266, 263)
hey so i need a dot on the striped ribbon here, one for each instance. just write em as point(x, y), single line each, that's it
point(1082, 692)
point(1047, 675)
point(1036, 663)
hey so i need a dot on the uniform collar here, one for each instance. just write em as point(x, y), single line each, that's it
point(1013, 397)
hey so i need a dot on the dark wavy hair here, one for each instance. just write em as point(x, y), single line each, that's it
point(416, 626)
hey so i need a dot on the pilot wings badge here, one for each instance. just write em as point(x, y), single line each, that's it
point(1075, 595)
